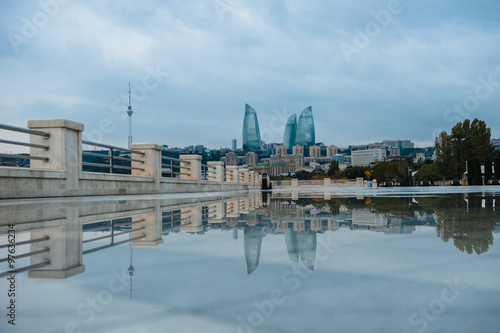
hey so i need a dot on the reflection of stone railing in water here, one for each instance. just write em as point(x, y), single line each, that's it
point(319, 183)
point(60, 234)
point(56, 167)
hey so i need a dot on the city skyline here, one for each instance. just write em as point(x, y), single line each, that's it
point(371, 70)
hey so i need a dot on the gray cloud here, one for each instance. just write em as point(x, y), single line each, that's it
point(279, 55)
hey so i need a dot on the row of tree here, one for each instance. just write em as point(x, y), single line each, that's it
point(468, 145)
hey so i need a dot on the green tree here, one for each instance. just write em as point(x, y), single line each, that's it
point(354, 172)
point(444, 163)
point(334, 167)
point(427, 172)
point(475, 142)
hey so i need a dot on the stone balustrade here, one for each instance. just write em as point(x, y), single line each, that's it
point(57, 172)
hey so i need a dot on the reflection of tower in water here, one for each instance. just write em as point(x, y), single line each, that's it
point(299, 245)
point(131, 269)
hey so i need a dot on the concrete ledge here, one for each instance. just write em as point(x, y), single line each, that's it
point(147, 243)
point(30, 173)
point(55, 123)
point(114, 177)
point(47, 274)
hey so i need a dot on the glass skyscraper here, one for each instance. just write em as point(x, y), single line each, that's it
point(251, 132)
point(305, 129)
point(290, 132)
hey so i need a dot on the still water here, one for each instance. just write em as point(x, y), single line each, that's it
point(366, 261)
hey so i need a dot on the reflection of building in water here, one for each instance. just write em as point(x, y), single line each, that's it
point(366, 219)
point(301, 245)
point(252, 240)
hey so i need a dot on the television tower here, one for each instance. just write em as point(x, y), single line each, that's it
point(129, 112)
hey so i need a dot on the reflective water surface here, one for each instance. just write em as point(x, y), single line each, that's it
point(256, 262)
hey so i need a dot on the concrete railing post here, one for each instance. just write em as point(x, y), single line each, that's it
point(218, 176)
point(152, 161)
point(359, 182)
point(251, 178)
point(326, 182)
point(65, 244)
point(193, 163)
point(295, 182)
point(245, 177)
point(152, 224)
point(232, 174)
point(65, 148)
point(216, 213)
point(193, 219)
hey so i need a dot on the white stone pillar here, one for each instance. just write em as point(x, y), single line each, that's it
point(216, 213)
point(218, 176)
point(65, 148)
point(193, 223)
point(326, 182)
point(232, 174)
point(295, 182)
point(65, 244)
point(193, 162)
point(152, 161)
point(245, 177)
point(359, 182)
point(152, 228)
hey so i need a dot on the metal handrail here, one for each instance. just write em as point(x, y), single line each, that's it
point(29, 254)
point(25, 157)
point(110, 225)
point(113, 235)
point(175, 159)
point(19, 143)
point(86, 153)
point(114, 244)
point(27, 242)
point(174, 166)
point(25, 130)
point(44, 263)
point(91, 143)
point(113, 166)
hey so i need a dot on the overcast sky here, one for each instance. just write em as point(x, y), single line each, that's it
point(371, 70)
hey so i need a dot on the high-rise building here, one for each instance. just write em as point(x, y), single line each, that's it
point(315, 151)
point(331, 150)
point(251, 158)
point(305, 128)
point(281, 150)
point(366, 157)
point(402, 144)
point(251, 132)
point(234, 145)
point(290, 132)
point(231, 158)
point(298, 150)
